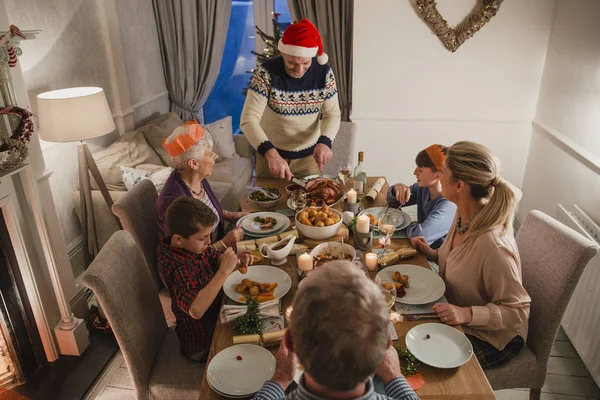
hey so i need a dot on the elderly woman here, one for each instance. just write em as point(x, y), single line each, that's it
point(192, 156)
point(479, 260)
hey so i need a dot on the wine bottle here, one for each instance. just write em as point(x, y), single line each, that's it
point(360, 176)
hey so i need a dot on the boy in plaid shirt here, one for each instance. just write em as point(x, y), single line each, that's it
point(194, 273)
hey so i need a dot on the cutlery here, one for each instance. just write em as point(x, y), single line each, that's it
point(299, 182)
point(270, 195)
point(418, 317)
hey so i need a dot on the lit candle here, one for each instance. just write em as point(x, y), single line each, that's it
point(305, 262)
point(362, 224)
point(352, 196)
point(371, 261)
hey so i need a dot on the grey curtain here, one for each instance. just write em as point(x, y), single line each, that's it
point(191, 35)
point(335, 21)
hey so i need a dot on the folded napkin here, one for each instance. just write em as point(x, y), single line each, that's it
point(265, 310)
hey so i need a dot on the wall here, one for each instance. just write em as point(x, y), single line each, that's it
point(564, 158)
point(410, 92)
point(73, 49)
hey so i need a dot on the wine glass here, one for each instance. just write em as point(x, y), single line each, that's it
point(298, 200)
point(388, 288)
point(344, 172)
point(387, 227)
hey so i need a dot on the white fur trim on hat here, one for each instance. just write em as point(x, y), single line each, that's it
point(297, 51)
point(323, 58)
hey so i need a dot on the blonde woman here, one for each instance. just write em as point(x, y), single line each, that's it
point(479, 260)
point(191, 150)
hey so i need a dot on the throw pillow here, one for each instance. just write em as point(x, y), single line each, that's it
point(158, 176)
point(158, 129)
point(222, 134)
point(130, 150)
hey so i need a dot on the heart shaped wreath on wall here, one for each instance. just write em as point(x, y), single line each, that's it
point(13, 149)
point(453, 38)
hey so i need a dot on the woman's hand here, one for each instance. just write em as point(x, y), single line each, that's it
point(234, 236)
point(453, 315)
point(402, 193)
point(420, 243)
point(233, 216)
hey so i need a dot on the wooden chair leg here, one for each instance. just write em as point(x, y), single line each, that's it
point(534, 394)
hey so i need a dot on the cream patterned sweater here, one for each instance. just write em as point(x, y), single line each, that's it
point(290, 114)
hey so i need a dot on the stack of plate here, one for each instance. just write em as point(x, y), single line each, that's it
point(252, 228)
point(239, 371)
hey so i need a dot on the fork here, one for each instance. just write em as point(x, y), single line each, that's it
point(418, 317)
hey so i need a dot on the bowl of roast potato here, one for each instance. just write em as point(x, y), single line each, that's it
point(318, 222)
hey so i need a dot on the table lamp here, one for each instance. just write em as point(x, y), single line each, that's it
point(77, 114)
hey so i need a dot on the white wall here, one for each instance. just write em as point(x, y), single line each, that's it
point(564, 157)
point(71, 50)
point(410, 92)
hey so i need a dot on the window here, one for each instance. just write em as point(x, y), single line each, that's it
point(226, 97)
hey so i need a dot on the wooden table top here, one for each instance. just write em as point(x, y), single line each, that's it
point(465, 382)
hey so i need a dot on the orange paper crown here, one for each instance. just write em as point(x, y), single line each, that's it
point(185, 140)
point(437, 156)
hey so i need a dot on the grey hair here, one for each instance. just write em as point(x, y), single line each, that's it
point(339, 326)
point(195, 152)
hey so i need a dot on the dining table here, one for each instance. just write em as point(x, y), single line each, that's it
point(463, 383)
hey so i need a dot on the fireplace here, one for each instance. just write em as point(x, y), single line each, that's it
point(21, 349)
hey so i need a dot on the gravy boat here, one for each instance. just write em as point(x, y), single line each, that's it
point(279, 256)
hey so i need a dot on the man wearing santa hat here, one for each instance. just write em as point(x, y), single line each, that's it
point(291, 114)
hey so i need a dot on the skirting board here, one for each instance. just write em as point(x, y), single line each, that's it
point(77, 298)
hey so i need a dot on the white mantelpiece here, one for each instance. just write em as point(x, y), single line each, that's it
point(28, 204)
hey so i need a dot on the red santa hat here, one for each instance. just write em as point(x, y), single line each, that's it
point(303, 39)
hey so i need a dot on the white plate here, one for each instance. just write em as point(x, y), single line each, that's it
point(258, 273)
point(425, 285)
point(232, 377)
point(282, 228)
point(249, 225)
point(446, 347)
point(403, 218)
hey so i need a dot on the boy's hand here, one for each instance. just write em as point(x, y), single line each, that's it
point(227, 262)
point(245, 259)
point(402, 193)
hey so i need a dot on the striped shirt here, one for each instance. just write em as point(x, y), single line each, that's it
point(206, 200)
point(397, 389)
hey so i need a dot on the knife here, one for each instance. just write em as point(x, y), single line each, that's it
point(299, 182)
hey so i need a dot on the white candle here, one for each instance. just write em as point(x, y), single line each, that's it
point(352, 196)
point(362, 224)
point(371, 261)
point(305, 262)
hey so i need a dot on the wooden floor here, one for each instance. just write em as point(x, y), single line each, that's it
point(567, 379)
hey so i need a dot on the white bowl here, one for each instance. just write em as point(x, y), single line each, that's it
point(264, 205)
point(319, 232)
point(334, 248)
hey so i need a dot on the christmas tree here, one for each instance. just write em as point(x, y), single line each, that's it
point(271, 41)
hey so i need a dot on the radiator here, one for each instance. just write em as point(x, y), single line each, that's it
point(581, 321)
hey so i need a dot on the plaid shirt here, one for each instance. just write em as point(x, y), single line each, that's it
point(397, 389)
point(185, 274)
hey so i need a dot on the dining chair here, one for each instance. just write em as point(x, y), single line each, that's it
point(137, 212)
point(123, 285)
point(553, 258)
point(342, 147)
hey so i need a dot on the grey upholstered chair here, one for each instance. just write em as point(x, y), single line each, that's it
point(553, 257)
point(343, 148)
point(137, 212)
point(119, 278)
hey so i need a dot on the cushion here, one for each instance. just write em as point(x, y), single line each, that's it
point(130, 150)
point(222, 134)
point(237, 171)
point(157, 130)
point(157, 174)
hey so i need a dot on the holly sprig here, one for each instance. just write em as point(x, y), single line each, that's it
point(249, 323)
point(408, 362)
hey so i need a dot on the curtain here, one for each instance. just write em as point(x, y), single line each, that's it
point(191, 34)
point(335, 21)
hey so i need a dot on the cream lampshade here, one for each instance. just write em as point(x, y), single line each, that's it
point(69, 115)
point(77, 114)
